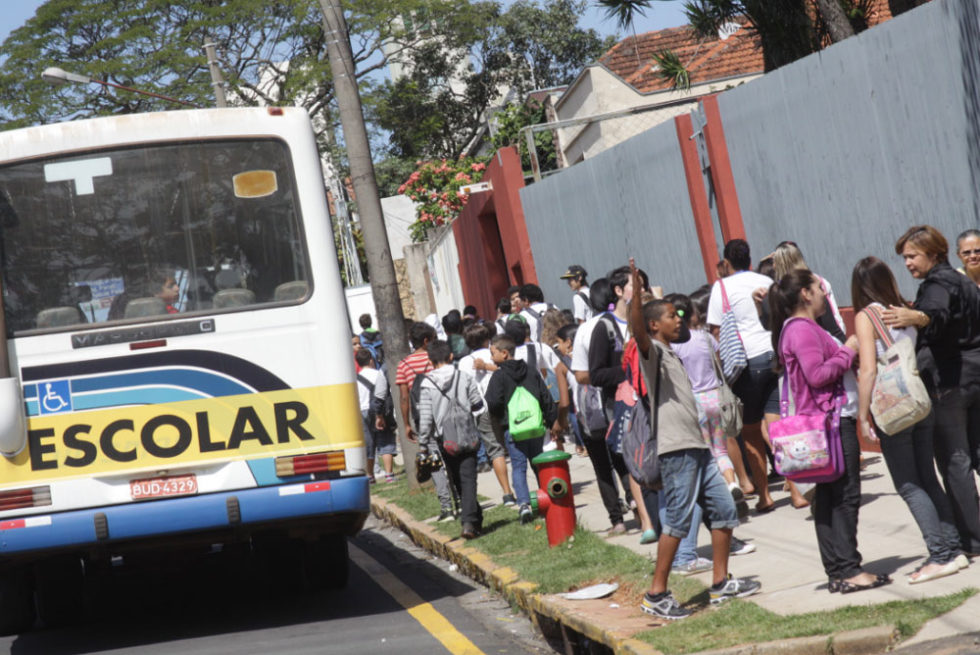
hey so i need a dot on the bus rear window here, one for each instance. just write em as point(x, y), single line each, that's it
point(141, 233)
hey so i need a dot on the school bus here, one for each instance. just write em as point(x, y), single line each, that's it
point(175, 364)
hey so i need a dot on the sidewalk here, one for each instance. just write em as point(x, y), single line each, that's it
point(787, 562)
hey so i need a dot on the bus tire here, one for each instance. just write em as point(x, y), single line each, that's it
point(58, 586)
point(16, 602)
point(328, 562)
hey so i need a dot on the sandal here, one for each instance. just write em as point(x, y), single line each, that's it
point(759, 509)
point(833, 585)
point(849, 587)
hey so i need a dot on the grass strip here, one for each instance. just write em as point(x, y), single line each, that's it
point(743, 622)
point(589, 559)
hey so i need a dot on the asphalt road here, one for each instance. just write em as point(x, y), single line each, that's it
point(219, 610)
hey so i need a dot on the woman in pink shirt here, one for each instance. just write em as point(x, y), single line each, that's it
point(814, 365)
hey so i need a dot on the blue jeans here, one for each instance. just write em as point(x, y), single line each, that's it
point(691, 477)
point(687, 550)
point(520, 453)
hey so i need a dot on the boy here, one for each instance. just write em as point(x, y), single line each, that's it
point(443, 386)
point(377, 440)
point(479, 364)
point(576, 277)
point(371, 339)
point(512, 373)
point(421, 335)
point(688, 469)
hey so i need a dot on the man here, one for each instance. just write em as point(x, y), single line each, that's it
point(532, 300)
point(581, 305)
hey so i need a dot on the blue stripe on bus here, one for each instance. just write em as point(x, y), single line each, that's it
point(208, 384)
point(188, 514)
point(133, 397)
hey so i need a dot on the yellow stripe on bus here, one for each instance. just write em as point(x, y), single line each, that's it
point(163, 436)
point(435, 623)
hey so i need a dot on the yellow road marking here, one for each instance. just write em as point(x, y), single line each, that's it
point(435, 623)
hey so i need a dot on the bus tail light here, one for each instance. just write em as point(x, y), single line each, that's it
point(27, 497)
point(315, 463)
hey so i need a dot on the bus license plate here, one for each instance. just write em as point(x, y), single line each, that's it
point(175, 485)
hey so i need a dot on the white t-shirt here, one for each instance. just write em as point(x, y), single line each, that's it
point(482, 377)
point(581, 310)
point(580, 346)
point(540, 308)
point(546, 356)
point(363, 393)
point(739, 288)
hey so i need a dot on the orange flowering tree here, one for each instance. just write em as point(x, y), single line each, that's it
point(434, 186)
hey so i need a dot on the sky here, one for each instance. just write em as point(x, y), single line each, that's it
point(664, 13)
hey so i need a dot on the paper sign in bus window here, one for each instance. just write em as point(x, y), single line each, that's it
point(81, 172)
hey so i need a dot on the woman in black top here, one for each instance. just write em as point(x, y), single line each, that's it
point(947, 314)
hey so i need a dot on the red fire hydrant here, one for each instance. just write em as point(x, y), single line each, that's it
point(554, 498)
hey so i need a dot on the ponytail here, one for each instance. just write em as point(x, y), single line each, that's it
point(784, 299)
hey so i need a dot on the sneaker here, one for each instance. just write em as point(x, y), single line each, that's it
point(962, 561)
point(470, 531)
point(740, 547)
point(664, 606)
point(733, 588)
point(526, 514)
point(508, 500)
point(445, 514)
point(736, 492)
point(697, 565)
point(619, 528)
point(390, 478)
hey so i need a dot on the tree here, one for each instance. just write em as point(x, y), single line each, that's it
point(625, 12)
point(441, 105)
point(270, 53)
point(511, 119)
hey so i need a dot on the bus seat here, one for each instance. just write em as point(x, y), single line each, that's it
point(233, 298)
point(142, 307)
point(295, 290)
point(59, 317)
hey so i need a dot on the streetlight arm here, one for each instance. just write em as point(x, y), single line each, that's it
point(55, 75)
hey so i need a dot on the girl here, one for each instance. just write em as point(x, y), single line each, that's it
point(814, 365)
point(907, 454)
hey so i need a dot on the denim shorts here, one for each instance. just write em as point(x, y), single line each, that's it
point(375, 442)
point(758, 389)
point(691, 476)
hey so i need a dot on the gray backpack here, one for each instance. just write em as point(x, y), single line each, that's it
point(459, 434)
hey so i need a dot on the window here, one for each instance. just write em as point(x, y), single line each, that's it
point(149, 231)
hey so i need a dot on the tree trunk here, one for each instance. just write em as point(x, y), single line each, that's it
point(900, 6)
point(381, 269)
point(835, 19)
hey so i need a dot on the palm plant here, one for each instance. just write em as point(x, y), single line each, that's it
point(625, 12)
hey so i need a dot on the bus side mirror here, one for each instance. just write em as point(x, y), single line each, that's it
point(13, 428)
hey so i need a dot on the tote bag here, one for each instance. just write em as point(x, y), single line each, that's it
point(731, 406)
point(899, 399)
point(730, 346)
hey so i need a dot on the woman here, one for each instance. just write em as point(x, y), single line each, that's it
point(968, 249)
point(908, 454)
point(787, 257)
point(814, 365)
point(947, 314)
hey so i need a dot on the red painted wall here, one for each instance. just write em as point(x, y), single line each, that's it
point(491, 236)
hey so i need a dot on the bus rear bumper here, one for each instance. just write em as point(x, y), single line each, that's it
point(344, 499)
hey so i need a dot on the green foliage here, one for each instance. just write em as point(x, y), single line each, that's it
point(624, 12)
point(390, 173)
point(672, 70)
point(507, 132)
point(434, 186)
point(441, 105)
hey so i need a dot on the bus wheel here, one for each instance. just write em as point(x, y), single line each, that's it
point(327, 562)
point(16, 602)
point(58, 586)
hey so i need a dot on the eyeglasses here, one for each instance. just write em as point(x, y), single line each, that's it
point(970, 253)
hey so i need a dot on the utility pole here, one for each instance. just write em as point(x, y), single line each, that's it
point(381, 269)
point(217, 82)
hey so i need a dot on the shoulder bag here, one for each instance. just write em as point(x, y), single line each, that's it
point(730, 346)
point(899, 399)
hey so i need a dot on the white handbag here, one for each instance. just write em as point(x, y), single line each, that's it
point(899, 399)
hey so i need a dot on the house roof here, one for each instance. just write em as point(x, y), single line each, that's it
point(706, 59)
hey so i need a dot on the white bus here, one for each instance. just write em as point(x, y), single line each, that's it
point(178, 369)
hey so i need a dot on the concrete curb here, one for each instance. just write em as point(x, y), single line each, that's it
point(479, 567)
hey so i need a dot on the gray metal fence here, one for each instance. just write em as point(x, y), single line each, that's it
point(840, 152)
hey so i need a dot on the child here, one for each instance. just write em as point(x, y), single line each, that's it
point(445, 385)
point(379, 438)
point(689, 470)
point(479, 364)
point(564, 339)
point(512, 373)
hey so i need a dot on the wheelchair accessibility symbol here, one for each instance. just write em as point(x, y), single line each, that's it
point(55, 397)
